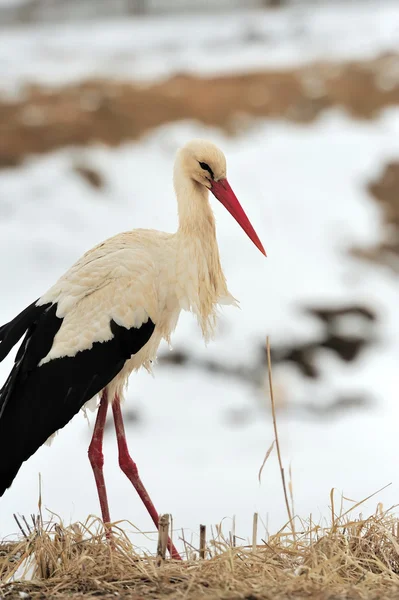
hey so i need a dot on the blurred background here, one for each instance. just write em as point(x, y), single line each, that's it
point(95, 98)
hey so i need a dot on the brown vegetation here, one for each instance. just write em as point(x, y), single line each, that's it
point(112, 112)
point(351, 559)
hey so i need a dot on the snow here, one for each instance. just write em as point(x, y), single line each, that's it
point(304, 188)
point(149, 48)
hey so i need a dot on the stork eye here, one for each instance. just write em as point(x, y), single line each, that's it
point(206, 167)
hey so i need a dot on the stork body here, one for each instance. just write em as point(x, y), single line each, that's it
point(106, 317)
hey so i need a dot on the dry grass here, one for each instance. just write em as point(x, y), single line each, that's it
point(352, 558)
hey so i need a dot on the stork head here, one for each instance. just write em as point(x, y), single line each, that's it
point(205, 163)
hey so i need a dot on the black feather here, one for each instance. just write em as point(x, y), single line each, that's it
point(37, 401)
point(11, 332)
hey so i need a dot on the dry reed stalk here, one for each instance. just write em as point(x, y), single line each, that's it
point(163, 534)
point(254, 531)
point(171, 532)
point(202, 547)
point(183, 539)
point(20, 526)
point(280, 462)
point(269, 451)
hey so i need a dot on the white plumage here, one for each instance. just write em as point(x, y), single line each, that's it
point(128, 278)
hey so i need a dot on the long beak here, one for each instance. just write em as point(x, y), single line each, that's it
point(222, 191)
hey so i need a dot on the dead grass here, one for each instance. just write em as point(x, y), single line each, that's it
point(112, 112)
point(352, 559)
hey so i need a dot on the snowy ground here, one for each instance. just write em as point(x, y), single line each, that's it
point(303, 188)
point(209, 43)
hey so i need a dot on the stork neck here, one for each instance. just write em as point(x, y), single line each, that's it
point(196, 218)
point(201, 282)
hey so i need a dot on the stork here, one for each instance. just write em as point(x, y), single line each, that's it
point(105, 318)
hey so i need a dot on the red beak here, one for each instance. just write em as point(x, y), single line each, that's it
point(222, 191)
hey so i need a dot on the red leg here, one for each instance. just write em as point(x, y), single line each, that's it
point(129, 467)
point(96, 456)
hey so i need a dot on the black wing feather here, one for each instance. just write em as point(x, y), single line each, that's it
point(11, 332)
point(37, 401)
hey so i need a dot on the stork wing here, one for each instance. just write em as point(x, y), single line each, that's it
point(51, 379)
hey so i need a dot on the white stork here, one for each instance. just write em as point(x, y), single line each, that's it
point(106, 317)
